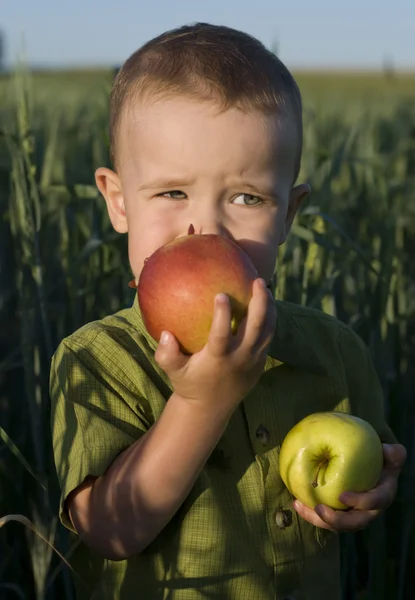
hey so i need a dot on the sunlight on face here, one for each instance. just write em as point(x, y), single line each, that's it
point(230, 173)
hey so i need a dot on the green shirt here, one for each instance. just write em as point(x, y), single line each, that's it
point(236, 535)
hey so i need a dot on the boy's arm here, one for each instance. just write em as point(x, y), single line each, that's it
point(366, 400)
point(122, 512)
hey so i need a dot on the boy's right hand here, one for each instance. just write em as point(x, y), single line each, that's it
point(228, 366)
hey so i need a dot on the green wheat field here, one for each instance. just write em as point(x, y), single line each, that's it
point(351, 254)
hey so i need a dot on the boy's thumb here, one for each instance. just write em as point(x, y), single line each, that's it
point(168, 354)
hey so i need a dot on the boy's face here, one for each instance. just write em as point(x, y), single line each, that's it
point(183, 162)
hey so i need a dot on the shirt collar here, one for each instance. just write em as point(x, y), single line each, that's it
point(137, 321)
point(290, 345)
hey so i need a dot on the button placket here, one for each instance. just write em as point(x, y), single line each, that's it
point(283, 518)
point(265, 425)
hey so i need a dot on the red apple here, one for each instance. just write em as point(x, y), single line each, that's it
point(179, 282)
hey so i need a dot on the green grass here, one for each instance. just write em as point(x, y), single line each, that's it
point(61, 265)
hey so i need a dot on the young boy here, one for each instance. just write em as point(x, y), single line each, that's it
point(168, 464)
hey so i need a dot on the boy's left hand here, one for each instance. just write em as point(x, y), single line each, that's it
point(364, 507)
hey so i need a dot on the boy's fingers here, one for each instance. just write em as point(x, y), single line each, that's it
point(220, 331)
point(335, 520)
point(168, 354)
point(394, 456)
point(340, 520)
point(308, 514)
point(379, 498)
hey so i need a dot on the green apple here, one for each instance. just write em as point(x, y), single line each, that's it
point(329, 453)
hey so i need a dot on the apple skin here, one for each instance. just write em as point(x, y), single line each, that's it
point(351, 447)
point(179, 282)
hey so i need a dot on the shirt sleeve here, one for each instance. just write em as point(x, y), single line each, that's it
point(93, 418)
point(365, 391)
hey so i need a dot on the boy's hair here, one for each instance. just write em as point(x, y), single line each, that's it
point(205, 61)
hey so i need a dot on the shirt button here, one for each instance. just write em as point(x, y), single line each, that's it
point(263, 435)
point(283, 518)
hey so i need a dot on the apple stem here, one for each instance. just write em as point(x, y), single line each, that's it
point(322, 463)
point(191, 230)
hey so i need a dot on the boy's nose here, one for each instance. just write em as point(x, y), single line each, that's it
point(216, 227)
point(208, 217)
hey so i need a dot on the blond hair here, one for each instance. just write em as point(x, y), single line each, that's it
point(205, 61)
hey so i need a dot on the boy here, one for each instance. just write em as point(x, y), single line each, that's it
point(168, 464)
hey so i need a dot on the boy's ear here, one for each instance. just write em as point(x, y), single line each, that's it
point(297, 196)
point(109, 185)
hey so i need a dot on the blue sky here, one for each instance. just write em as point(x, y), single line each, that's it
point(311, 33)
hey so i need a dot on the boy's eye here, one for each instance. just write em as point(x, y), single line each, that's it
point(174, 195)
point(248, 200)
